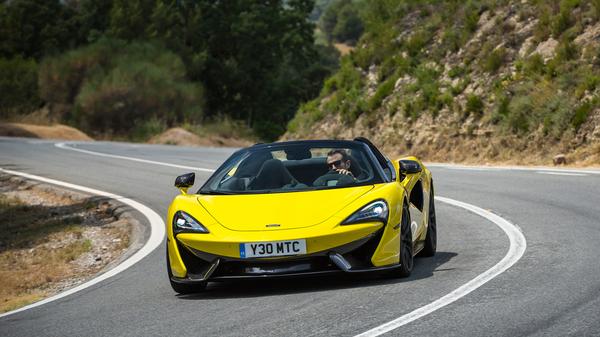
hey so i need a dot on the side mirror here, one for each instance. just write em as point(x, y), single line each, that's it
point(185, 181)
point(409, 167)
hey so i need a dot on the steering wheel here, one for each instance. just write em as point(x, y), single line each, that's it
point(333, 178)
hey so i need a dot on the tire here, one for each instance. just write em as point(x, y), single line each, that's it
point(182, 288)
point(406, 245)
point(431, 237)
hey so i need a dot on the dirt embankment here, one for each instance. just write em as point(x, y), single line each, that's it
point(180, 136)
point(57, 131)
point(52, 239)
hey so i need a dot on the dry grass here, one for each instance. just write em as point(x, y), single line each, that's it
point(57, 131)
point(47, 247)
point(343, 48)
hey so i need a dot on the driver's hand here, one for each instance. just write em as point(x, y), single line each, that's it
point(346, 172)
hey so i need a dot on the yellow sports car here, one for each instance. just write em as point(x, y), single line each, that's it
point(301, 208)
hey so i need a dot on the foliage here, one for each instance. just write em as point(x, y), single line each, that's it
point(18, 86)
point(114, 86)
point(494, 60)
point(341, 21)
point(474, 105)
point(256, 59)
point(34, 28)
point(383, 91)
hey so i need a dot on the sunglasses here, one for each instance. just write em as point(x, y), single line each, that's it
point(335, 163)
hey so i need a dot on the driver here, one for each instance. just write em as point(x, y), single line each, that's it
point(338, 160)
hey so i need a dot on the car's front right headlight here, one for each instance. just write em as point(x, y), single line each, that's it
point(183, 222)
point(376, 211)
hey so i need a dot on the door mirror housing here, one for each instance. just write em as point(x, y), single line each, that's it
point(185, 181)
point(409, 167)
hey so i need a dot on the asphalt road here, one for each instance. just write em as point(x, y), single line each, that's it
point(554, 290)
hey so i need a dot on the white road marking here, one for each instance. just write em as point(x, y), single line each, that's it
point(518, 244)
point(562, 173)
point(67, 147)
point(511, 168)
point(157, 235)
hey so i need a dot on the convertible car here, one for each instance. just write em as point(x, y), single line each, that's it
point(301, 208)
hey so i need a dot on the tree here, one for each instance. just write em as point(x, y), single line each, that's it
point(35, 28)
point(92, 18)
point(341, 21)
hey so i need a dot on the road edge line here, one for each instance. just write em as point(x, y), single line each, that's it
point(65, 146)
point(157, 234)
point(517, 248)
point(512, 168)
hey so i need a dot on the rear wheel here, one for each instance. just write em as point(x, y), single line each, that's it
point(406, 245)
point(182, 288)
point(431, 237)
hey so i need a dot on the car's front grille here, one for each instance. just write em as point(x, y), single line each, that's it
point(257, 267)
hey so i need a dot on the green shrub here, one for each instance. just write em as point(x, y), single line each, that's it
point(502, 110)
point(474, 105)
point(543, 28)
point(494, 60)
point(581, 115)
point(456, 71)
point(383, 91)
point(18, 86)
point(471, 18)
point(114, 86)
point(591, 81)
point(394, 65)
point(556, 112)
point(132, 92)
point(518, 119)
point(561, 23)
point(535, 64)
point(329, 86)
point(144, 130)
point(566, 50)
point(446, 98)
point(416, 42)
point(460, 87)
point(61, 77)
point(596, 8)
point(564, 19)
point(451, 40)
point(349, 25)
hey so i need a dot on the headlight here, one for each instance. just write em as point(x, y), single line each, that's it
point(375, 211)
point(183, 222)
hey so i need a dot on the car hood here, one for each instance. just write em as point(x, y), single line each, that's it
point(279, 211)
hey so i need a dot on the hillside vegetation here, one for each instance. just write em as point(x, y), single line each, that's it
point(131, 68)
point(480, 80)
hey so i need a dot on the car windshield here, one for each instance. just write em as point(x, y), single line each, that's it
point(292, 167)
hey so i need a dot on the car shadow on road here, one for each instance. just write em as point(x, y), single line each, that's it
point(423, 268)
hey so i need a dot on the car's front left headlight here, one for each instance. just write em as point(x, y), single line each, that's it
point(376, 211)
point(183, 222)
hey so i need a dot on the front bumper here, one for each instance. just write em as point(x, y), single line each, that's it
point(353, 257)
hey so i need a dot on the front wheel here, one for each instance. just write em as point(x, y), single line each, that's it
point(406, 245)
point(182, 288)
point(431, 237)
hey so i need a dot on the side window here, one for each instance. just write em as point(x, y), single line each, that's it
point(390, 171)
point(416, 196)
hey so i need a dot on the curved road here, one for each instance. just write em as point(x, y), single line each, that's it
point(554, 290)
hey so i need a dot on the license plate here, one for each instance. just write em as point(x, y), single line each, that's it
point(274, 248)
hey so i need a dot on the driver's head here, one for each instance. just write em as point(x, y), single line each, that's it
point(338, 159)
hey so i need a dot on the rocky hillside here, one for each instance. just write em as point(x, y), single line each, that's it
point(474, 81)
